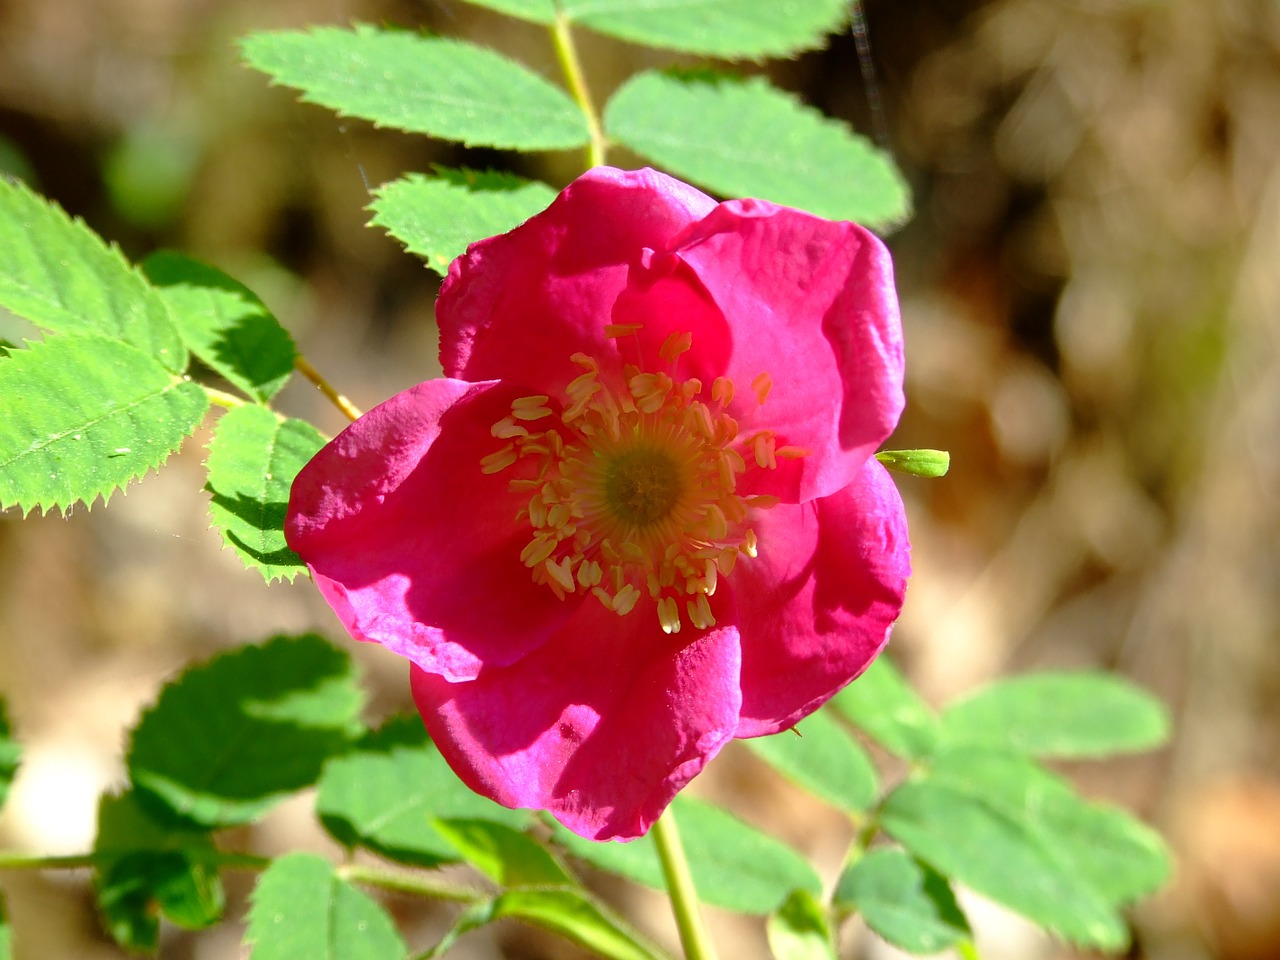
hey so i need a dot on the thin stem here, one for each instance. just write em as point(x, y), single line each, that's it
point(684, 899)
point(304, 367)
point(567, 54)
point(401, 882)
point(10, 860)
point(220, 398)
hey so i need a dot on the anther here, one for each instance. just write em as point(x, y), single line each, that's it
point(762, 384)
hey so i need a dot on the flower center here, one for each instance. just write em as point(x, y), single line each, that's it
point(633, 488)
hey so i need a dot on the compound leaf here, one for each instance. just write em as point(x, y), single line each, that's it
point(800, 930)
point(63, 277)
point(385, 792)
point(882, 704)
point(436, 217)
point(253, 458)
point(302, 908)
point(903, 900)
point(444, 88)
point(84, 415)
point(746, 138)
point(224, 323)
point(230, 737)
point(821, 757)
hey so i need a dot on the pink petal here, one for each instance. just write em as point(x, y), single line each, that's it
point(518, 305)
point(601, 726)
point(816, 606)
point(412, 545)
point(811, 303)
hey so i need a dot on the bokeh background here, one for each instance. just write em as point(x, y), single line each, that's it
point(1091, 296)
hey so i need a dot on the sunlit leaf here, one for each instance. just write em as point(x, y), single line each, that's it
point(303, 909)
point(821, 757)
point(746, 138)
point(444, 88)
point(883, 705)
point(800, 930)
point(436, 217)
point(733, 865)
point(506, 856)
point(63, 277)
point(231, 737)
point(84, 415)
point(1059, 715)
point(224, 323)
point(253, 458)
point(903, 901)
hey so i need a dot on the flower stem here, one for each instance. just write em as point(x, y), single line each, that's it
point(401, 882)
point(220, 398)
point(304, 367)
point(567, 54)
point(684, 899)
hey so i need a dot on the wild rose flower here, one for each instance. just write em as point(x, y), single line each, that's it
point(641, 514)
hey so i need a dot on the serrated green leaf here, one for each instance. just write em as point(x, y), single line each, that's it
point(253, 459)
point(903, 901)
point(1121, 858)
point(745, 138)
point(303, 909)
point(436, 217)
point(384, 793)
point(964, 838)
point(146, 868)
point(224, 323)
point(733, 865)
point(506, 856)
point(799, 930)
point(10, 753)
point(444, 88)
point(729, 29)
point(1068, 715)
point(882, 704)
point(823, 759)
point(6, 933)
point(62, 276)
point(84, 415)
point(231, 737)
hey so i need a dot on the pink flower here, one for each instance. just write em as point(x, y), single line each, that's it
point(641, 515)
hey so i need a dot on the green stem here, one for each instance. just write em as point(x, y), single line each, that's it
point(567, 54)
point(11, 860)
point(304, 367)
point(684, 899)
point(401, 882)
point(220, 398)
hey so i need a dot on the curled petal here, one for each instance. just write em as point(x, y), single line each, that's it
point(412, 544)
point(601, 726)
point(816, 605)
point(554, 279)
point(811, 303)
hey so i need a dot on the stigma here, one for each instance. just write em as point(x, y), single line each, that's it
point(633, 485)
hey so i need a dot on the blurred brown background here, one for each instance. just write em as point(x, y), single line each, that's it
point(1091, 294)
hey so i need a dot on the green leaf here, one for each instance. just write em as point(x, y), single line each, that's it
point(916, 463)
point(733, 865)
point(745, 138)
point(385, 792)
point(233, 736)
point(799, 930)
point(1069, 715)
point(443, 88)
point(1119, 857)
point(303, 909)
point(730, 29)
point(224, 324)
point(145, 868)
point(62, 276)
point(436, 217)
point(6, 933)
point(963, 837)
point(506, 856)
point(821, 757)
point(253, 458)
point(904, 901)
point(6, 348)
point(9, 755)
point(84, 415)
point(883, 705)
